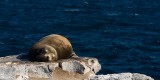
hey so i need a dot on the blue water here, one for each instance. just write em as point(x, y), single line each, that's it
point(123, 34)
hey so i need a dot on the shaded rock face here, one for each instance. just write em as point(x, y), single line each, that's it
point(16, 68)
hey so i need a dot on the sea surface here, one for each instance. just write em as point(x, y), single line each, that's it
point(123, 34)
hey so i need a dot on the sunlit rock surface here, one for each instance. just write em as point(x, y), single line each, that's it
point(122, 76)
point(17, 67)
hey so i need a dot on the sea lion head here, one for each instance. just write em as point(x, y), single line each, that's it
point(46, 53)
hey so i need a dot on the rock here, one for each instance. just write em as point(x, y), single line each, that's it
point(17, 67)
point(75, 66)
point(122, 76)
point(137, 76)
point(80, 65)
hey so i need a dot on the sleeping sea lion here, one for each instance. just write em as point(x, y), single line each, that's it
point(51, 48)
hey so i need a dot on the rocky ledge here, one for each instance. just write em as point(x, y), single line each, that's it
point(17, 67)
point(122, 76)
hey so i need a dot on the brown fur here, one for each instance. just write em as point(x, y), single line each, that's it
point(51, 48)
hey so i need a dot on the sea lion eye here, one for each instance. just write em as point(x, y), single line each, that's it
point(46, 50)
point(41, 50)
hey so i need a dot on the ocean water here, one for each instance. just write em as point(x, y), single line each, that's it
point(123, 34)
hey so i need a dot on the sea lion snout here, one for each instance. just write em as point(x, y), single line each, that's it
point(46, 57)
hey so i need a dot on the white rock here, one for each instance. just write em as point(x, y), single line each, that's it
point(81, 65)
point(121, 76)
point(137, 76)
point(15, 68)
point(75, 66)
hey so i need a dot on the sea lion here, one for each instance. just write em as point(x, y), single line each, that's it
point(51, 48)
